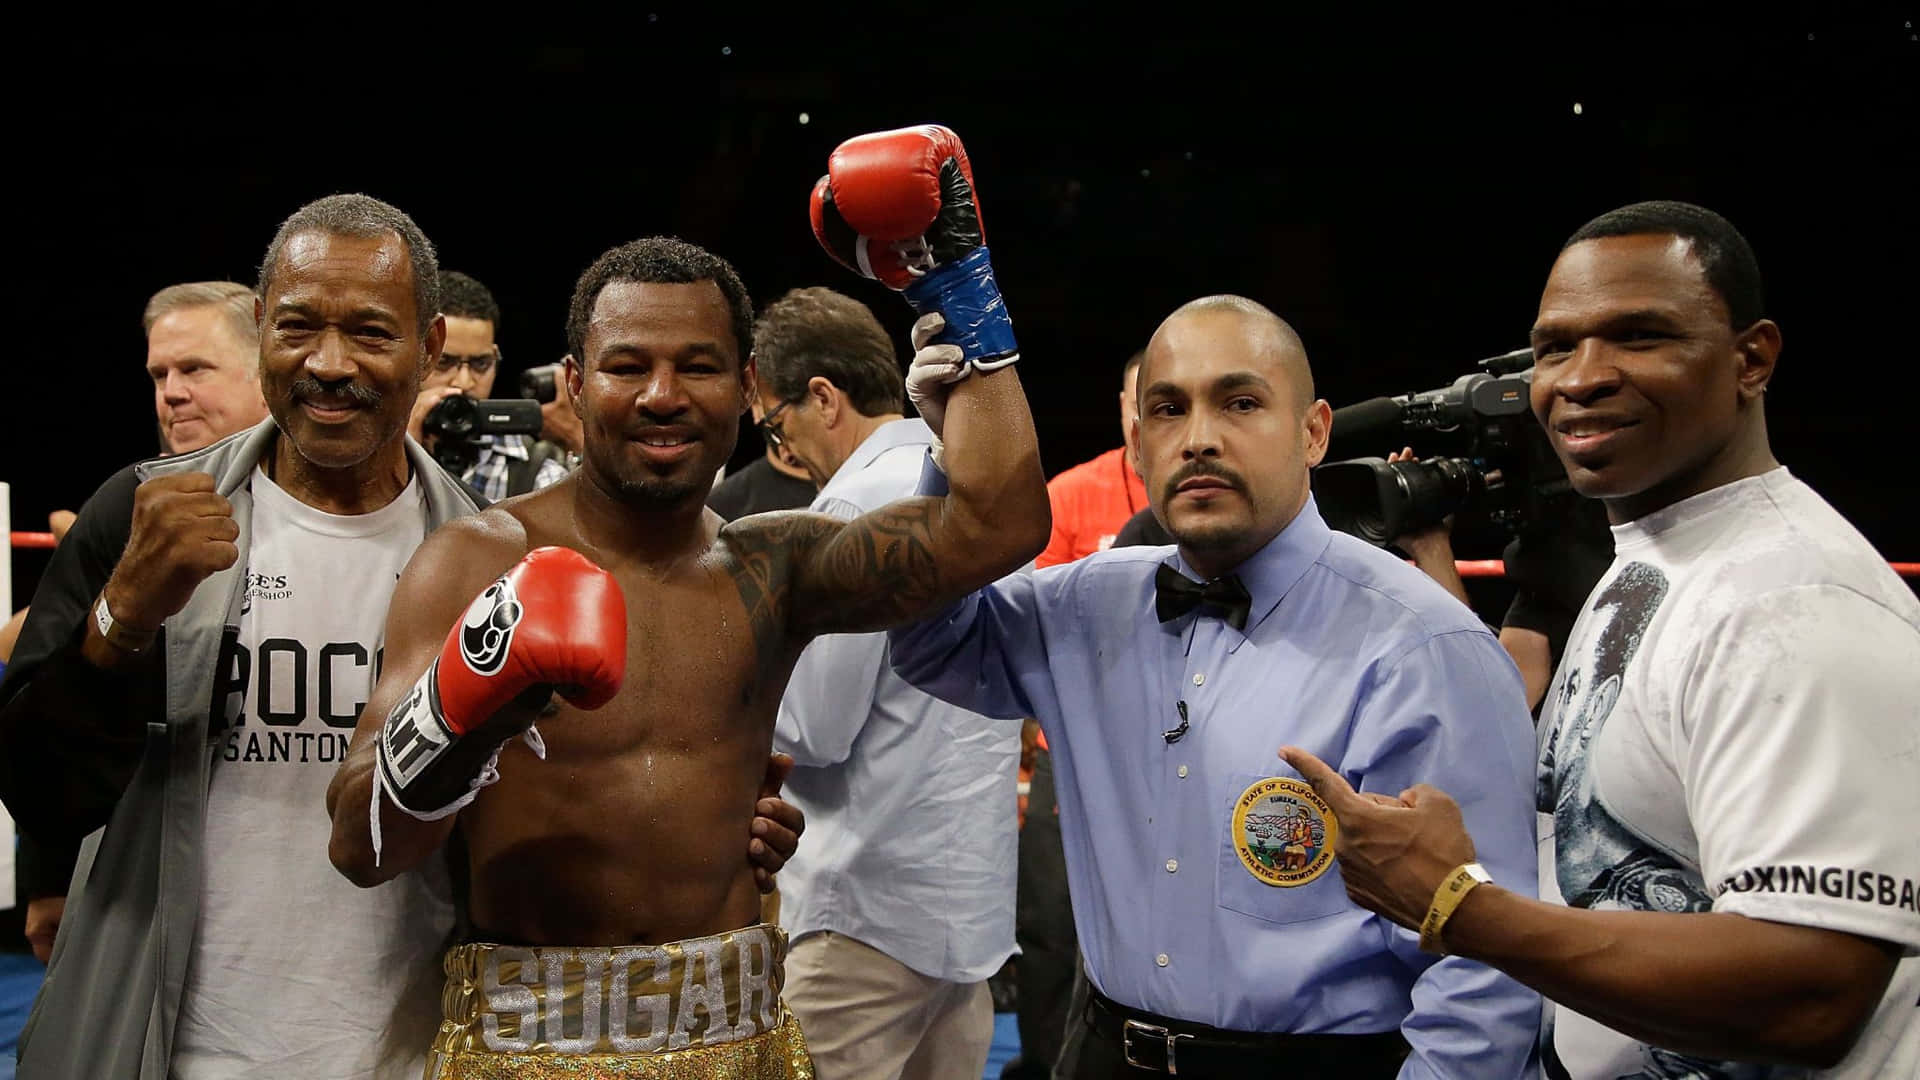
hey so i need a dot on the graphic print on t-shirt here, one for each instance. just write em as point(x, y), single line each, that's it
point(265, 696)
point(1600, 863)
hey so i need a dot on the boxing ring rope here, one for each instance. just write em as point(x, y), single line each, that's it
point(1469, 568)
point(1495, 568)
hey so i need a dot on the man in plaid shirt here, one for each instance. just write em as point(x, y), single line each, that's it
point(508, 464)
point(501, 456)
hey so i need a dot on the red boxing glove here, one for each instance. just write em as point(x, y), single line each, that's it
point(553, 622)
point(555, 619)
point(895, 204)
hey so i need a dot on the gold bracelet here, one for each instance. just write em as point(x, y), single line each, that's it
point(1446, 899)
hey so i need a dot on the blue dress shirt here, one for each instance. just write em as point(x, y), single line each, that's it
point(1349, 653)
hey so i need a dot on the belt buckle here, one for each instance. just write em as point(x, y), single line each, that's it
point(1170, 1039)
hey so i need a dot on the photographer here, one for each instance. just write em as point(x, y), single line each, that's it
point(1494, 465)
point(1554, 566)
point(497, 466)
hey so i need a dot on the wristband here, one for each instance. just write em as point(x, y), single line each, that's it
point(416, 767)
point(117, 633)
point(412, 739)
point(965, 295)
point(1446, 899)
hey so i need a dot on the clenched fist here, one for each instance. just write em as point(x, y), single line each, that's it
point(183, 533)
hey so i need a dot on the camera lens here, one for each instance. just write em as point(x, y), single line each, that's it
point(537, 383)
point(1431, 490)
point(1378, 501)
point(452, 418)
point(1359, 497)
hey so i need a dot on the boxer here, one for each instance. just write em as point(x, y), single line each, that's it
point(613, 917)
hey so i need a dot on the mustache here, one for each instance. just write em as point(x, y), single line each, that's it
point(309, 387)
point(1202, 467)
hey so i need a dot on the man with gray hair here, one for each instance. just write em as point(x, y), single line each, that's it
point(203, 351)
point(190, 677)
point(914, 799)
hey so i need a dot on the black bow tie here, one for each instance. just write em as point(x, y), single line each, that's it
point(1175, 594)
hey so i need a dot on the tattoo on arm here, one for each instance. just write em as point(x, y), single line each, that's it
point(876, 571)
point(804, 574)
point(760, 553)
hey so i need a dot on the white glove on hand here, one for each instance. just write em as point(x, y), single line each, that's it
point(934, 370)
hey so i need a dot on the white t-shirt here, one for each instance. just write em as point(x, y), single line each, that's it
point(1736, 727)
point(295, 971)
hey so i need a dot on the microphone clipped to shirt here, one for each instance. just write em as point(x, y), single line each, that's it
point(1173, 735)
point(1175, 594)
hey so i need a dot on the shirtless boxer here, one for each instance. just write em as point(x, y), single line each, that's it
point(670, 636)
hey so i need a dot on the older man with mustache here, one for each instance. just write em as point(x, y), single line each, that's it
point(187, 683)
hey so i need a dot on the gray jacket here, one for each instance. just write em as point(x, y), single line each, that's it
point(112, 992)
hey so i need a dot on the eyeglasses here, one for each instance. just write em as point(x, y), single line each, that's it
point(479, 365)
point(769, 430)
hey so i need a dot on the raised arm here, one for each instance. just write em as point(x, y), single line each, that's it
point(915, 556)
point(900, 206)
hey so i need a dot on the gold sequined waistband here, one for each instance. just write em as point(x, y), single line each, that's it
point(780, 1054)
point(627, 1000)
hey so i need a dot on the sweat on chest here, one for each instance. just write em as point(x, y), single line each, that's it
point(682, 691)
point(696, 645)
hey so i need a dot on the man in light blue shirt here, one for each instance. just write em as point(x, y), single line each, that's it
point(1217, 935)
point(901, 906)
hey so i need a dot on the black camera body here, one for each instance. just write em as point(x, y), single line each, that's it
point(1497, 464)
point(458, 423)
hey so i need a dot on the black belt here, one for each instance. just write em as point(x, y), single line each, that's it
point(1180, 1047)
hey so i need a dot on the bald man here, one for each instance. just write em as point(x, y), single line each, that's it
point(1218, 939)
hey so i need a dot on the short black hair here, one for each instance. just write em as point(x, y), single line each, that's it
point(363, 216)
point(817, 331)
point(461, 297)
point(1724, 255)
point(663, 260)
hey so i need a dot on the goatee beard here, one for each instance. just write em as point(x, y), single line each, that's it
point(1218, 538)
point(655, 493)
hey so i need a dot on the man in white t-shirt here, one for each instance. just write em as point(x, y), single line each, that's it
point(1728, 751)
point(197, 657)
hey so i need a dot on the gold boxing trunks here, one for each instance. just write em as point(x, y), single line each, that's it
point(703, 1008)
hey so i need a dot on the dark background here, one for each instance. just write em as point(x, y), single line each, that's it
point(1396, 191)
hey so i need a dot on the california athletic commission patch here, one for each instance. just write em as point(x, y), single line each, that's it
point(1283, 832)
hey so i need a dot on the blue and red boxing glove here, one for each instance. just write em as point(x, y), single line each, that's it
point(899, 207)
